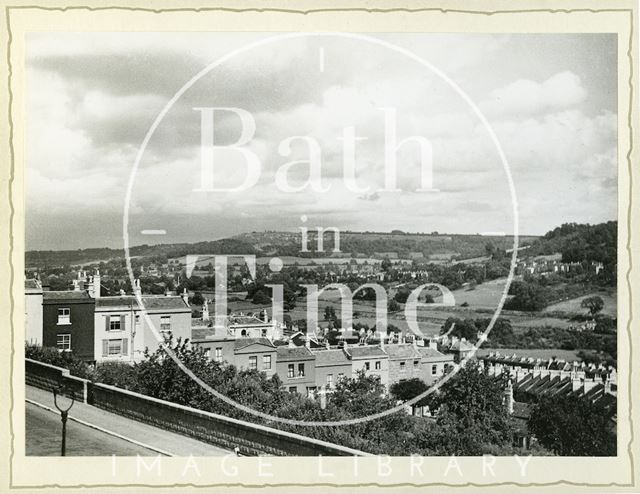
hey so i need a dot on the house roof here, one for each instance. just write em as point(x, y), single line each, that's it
point(242, 343)
point(461, 346)
point(401, 351)
point(433, 355)
point(32, 284)
point(206, 333)
point(286, 353)
point(66, 295)
point(366, 351)
point(246, 321)
point(331, 357)
point(150, 303)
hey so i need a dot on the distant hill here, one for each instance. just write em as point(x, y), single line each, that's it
point(580, 242)
point(379, 244)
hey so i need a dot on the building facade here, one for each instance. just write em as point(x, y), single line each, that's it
point(295, 366)
point(33, 298)
point(68, 322)
point(124, 329)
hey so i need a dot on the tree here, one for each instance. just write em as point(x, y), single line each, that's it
point(471, 416)
point(329, 313)
point(401, 296)
point(593, 304)
point(393, 306)
point(527, 297)
point(260, 297)
point(573, 427)
point(197, 299)
point(408, 389)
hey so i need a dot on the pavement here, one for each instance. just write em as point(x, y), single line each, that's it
point(44, 433)
point(140, 438)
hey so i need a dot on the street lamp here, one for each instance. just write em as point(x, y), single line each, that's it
point(64, 413)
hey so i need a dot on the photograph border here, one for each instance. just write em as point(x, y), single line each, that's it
point(309, 12)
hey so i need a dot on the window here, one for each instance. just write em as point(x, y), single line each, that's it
point(63, 342)
point(378, 365)
point(340, 376)
point(367, 366)
point(293, 389)
point(207, 352)
point(115, 323)
point(253, 362)
point(218, 355)
point(115, 347)
point(266, 362)
point(137, 319)
point(64, 315)
point(264, 333)
point(300, 370)
point(165, 324)
point(416, 364)
point(402, 367)
point(434, 369)
point(329, 380)
point(290, 370)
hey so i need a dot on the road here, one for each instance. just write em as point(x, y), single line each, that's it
point(120, 429)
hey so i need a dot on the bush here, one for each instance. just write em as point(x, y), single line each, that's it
point(66, 360)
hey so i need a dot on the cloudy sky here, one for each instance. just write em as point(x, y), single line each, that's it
point(551, 100)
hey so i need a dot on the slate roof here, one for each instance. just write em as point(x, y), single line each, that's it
point(433, 355)
point(32, 284)
point(241, 343)
point(287, 354)
point(245, 321)
point(365, 351)
point(326, 358)
point(150, 302)
point(65, 295)
point(461, 346)
point(204, 333)
point(401, 351)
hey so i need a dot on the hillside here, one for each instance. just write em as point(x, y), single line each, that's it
point(368, 244)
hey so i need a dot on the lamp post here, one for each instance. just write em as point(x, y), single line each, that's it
point(64, 413)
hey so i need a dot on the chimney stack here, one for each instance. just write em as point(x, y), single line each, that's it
point(137, 291)
point(205, 311)
point(185, 296)
point(508, 397)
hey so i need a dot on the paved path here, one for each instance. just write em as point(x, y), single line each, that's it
point(44, 431)
point(152, 439)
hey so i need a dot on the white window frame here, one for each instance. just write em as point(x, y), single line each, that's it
point(434, 369)
point(266, 362)
point(64, 319)
point(64, 346)
point(165, 327)
point(217, 356)
point(114, 341)
point(113, 322)
point(253, 362)
point(291, 371)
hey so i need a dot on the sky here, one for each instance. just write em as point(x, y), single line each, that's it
point(551, 101)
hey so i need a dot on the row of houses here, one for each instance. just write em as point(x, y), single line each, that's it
point(98, 328)
point(120, 328)
point(308, 367)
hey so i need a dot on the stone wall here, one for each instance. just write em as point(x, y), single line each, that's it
point(225, 432)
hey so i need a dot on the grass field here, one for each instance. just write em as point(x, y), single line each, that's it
point(573, 305)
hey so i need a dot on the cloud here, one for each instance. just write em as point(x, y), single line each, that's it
point(93, 98)
point(526, 97)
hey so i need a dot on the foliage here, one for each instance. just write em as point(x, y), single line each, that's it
point(594, 304)
point(573, 427)
point(471, 416)
point(66, 360)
